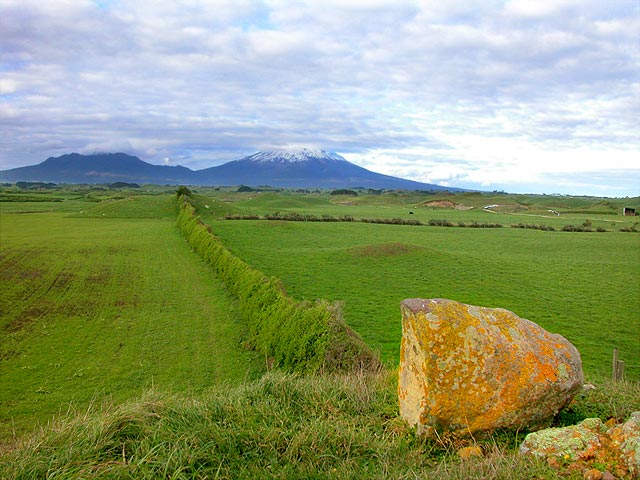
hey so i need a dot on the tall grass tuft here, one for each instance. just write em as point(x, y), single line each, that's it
point(281, 426)
point(338, 426)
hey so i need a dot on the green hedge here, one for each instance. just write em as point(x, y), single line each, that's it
point(298, 336)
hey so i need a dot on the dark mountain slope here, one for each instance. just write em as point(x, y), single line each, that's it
point(99, 168)
point(302, 169)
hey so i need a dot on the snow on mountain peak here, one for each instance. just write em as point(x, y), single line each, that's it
point(287, 156)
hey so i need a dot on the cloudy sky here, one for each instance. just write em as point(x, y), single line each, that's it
point(521, 95)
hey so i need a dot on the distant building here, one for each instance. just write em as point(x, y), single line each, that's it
point(629, 212)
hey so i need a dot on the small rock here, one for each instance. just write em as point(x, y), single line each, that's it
point(590, 440)
point(467, 452)
point(577, 442)
point(593, 474)
point(611, 422)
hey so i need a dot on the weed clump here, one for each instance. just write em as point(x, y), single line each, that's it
point(630, 229)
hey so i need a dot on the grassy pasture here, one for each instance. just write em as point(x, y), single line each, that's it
point(90, 201)
point(138, 206)
point(511, 209)
point(104, 308)
point(101, 307)
point(584, 286)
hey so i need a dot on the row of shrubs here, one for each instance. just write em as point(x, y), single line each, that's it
point(531, 226)
point(435, 222)
point(304, 217)
point(290, 217)
point(392, 221)
point(582, 228)
point(298, 336)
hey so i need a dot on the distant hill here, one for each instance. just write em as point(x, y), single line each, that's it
point(98, 168)
point(301, 169)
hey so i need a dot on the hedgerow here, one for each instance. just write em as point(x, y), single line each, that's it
point(305, 217)
point(547, 228)
point(297, 336)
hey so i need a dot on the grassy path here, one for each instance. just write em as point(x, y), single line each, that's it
point(103, 308)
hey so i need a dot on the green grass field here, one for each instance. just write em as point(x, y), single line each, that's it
point(510, 209)
point(105, 308)
point(584, 286)
point(110, 324)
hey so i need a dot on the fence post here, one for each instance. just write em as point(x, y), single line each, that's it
point(617, 367)
point(620, 371)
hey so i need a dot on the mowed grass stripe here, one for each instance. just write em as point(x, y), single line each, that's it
point(105, 308)
point(581, 285)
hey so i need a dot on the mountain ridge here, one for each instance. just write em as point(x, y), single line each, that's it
point(304, 168)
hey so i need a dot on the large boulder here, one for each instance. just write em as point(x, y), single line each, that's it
point(468, 369)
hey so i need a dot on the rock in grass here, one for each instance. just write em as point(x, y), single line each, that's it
point(573, 443)
point(590, 440)
point(625, 439)
point(468, 369)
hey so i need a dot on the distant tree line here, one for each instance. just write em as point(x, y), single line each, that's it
point(35, 185)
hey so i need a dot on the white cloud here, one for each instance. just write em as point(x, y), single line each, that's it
point(7, 86)
point(460, 91)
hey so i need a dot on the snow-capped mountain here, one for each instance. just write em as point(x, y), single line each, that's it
point(290, 169)
point(304, 169)
point(284, 156)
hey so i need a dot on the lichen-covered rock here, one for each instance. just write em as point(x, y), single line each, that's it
point(590, 441)
point(573, 443)
point(470, 369)
point(625, 439)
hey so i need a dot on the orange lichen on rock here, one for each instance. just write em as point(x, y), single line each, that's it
point(468, 369)
point(589, 443)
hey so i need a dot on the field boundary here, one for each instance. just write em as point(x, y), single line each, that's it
point(434, 222)
point(295, 335)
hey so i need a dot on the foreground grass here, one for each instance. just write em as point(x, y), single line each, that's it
point(277, 427)
point(95, 308)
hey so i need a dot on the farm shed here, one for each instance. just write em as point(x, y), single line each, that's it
point(629, 212)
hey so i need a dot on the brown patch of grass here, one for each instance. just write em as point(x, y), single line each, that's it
point(439, 204)
point(126, 302)
point(11, 268)
point(25, 319)
point(383, 250)
point(100, 278)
